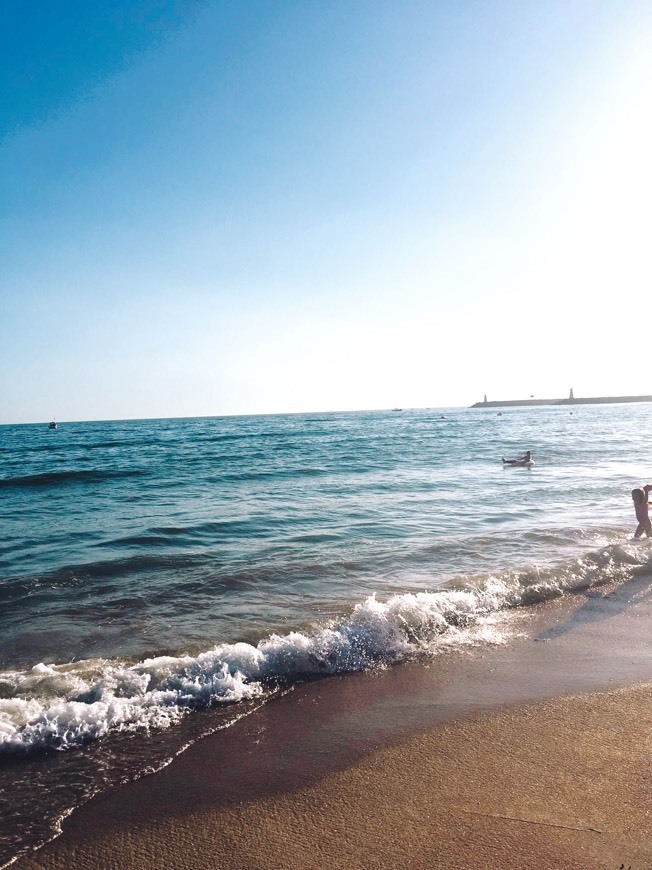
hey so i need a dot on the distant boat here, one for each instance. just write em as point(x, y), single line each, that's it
point(397, 409)
point(52, 425)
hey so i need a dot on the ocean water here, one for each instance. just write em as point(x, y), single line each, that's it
point(160, 579)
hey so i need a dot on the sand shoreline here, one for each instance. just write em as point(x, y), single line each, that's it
point(484, 759)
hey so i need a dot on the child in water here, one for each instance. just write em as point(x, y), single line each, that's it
point(641, 506)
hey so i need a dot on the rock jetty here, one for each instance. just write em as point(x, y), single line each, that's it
point(571, 400)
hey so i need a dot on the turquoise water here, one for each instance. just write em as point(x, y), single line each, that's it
point(153, 568)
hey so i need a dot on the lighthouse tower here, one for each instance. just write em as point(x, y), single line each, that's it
point(571, 397)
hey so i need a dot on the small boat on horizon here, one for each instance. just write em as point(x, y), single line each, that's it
point(52, 425)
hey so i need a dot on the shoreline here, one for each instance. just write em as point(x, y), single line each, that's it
point(532, 753)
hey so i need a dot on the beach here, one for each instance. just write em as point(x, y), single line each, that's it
point(273, 592)
point(212, 626)
point(533, 753)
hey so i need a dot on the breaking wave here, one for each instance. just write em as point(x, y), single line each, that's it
point(61, 706)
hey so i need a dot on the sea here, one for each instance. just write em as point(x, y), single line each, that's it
point(161, 579)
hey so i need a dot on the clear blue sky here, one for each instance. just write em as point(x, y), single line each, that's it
point(251, 207)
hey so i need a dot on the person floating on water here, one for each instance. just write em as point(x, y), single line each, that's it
point(526, 459)
point(641, 506)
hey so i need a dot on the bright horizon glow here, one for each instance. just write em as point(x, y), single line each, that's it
point(211, 210)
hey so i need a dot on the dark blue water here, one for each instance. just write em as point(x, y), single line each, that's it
point(153, 568)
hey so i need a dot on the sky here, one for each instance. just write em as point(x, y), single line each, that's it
point(221, 207)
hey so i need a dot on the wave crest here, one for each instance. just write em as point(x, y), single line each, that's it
point(63, 706)
point(59, 478)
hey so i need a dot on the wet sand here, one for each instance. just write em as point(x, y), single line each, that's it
point(536, 753)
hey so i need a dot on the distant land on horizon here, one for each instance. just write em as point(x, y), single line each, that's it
point(571, 400)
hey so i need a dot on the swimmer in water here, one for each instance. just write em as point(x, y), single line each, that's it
point(526, 459)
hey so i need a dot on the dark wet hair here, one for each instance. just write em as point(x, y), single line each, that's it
point(638, 494)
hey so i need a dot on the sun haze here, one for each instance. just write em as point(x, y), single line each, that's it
point(223, 208)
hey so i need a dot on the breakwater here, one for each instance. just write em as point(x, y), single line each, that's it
point(595, 400)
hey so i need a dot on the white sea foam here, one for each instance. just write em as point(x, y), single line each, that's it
point(62, 706)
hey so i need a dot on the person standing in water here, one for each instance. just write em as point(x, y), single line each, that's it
point(641, 506)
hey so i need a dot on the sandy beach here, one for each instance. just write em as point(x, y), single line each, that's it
point(534, 753)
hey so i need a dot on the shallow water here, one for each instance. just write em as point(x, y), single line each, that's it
point(149, 569)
